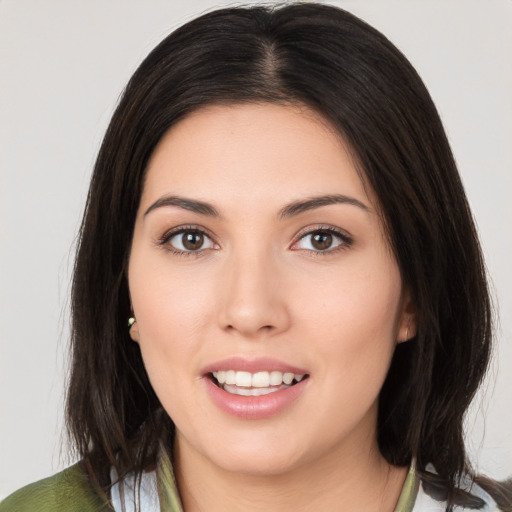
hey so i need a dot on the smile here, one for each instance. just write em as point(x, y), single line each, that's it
point(245, 383)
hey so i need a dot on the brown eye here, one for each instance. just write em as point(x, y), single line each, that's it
point(190, 240)
point(321, 241)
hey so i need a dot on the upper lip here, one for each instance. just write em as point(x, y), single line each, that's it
point(260, 364)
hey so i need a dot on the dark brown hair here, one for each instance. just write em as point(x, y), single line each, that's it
point(336, 64)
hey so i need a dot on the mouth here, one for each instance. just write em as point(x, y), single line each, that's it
point(260, 383)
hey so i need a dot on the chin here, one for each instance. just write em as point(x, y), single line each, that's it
point(257, 463)
point(253, 452)
point(265, 455)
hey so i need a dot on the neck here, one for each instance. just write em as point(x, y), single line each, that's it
point(354, 480)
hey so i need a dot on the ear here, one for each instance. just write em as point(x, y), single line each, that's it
point(133, 329)
point(408, 326)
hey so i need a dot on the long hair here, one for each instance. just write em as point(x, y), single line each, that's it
point(336, 64)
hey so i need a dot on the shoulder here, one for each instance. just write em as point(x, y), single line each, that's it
point(69, 491)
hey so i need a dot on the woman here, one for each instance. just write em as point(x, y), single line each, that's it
point(279, 300)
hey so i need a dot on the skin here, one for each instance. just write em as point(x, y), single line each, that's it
point(259, 288)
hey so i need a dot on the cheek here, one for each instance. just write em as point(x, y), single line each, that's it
point(353, 318)
point(170, 325)
point(169, 302)
point(171, 309)
point(354, 339)
point(363, 303)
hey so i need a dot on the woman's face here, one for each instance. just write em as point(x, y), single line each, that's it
point(267, 300)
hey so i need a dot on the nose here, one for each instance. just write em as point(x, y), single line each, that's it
point(253, 298)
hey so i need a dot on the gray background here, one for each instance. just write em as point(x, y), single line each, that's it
point(63, 65)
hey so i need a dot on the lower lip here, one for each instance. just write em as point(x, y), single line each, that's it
point(254, 407)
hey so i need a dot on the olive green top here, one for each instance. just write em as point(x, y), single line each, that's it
point(71, 491)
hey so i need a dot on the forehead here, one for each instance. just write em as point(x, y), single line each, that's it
point(256, 151)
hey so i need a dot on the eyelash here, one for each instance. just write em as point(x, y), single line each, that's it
point(169, 235)
point(345, 240)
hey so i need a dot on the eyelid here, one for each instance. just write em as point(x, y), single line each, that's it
point(346, 239)
point(164, 239)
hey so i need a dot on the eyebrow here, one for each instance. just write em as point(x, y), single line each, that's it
point(192, 205)
point(304, 205)
point(290, 210)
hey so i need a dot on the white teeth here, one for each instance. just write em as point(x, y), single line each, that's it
point(230, 377)
point(243, 379)
point(259, 380)
point(288, 378)
point(276, 378)
point(235, 390)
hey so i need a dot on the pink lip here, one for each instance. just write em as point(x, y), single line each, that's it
point(253, 407)
point(261, 364)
